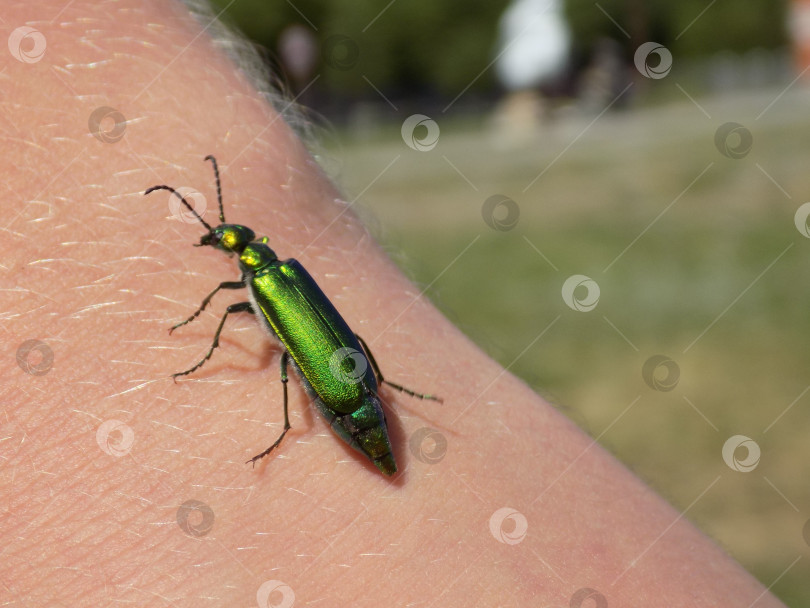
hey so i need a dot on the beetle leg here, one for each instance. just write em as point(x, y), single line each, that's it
point(381, 380)
point(207, 300)
point(238, 307)
point(284, 357)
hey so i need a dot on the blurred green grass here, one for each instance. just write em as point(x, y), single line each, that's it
point(697, 258)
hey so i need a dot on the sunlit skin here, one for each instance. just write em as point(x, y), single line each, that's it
point(98, 272)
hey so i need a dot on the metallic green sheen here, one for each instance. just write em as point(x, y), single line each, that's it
point(312, 330)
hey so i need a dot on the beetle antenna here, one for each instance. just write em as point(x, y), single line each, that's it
point(219, 188)
point(182, 200)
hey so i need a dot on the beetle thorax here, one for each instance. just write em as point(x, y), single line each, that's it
point(256, 256)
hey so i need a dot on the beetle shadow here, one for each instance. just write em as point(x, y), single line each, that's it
point(219, 359)
point(400, 440)
point(405, 451)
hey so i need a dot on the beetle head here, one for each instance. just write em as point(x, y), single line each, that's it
point(230, 238)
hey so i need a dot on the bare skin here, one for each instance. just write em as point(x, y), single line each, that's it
point(98, 273)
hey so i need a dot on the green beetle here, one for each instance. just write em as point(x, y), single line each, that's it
point(331, 359)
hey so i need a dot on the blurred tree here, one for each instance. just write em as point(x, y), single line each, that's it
point(416, 47)
point(689, 28)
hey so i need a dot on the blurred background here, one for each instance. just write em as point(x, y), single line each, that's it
point(610, 199)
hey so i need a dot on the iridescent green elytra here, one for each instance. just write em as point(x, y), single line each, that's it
point(333, 361)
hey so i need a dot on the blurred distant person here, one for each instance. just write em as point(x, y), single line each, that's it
point(533, 51)
point(298, 50)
